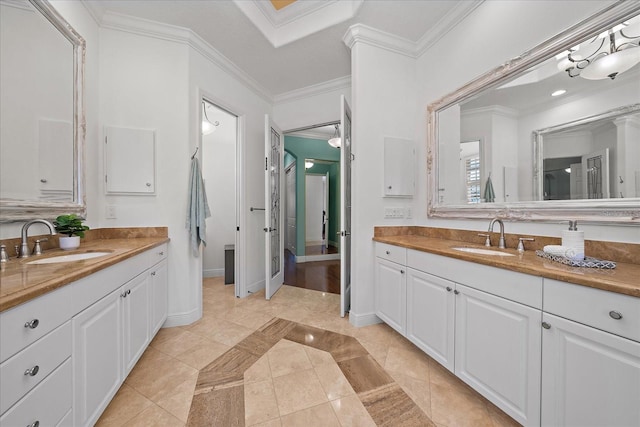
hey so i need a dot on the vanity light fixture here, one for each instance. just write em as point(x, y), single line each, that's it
point(335, 141)
point(208, 127)
point(308, 164)
point(605, 56)
point(559, 92)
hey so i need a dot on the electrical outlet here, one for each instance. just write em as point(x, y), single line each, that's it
point(388, 212)
point(111, 212)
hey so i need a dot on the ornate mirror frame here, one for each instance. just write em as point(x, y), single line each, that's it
point(20, 210)
point(599, 211)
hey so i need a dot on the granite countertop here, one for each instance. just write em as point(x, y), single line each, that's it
point(624, 279)
point(21, 282)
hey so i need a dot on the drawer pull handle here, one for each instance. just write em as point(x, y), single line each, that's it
point(615, 315)
point(32, 371)
point(456, 292)
point(449, 289)
point(32, 324)
point(388, 252)
point(34, 424)
point(546, 325)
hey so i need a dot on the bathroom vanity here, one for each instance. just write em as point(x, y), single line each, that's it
point(550, 345)
point(72, 331)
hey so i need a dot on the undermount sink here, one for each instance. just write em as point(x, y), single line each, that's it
point(69, 258)
point(482, 251)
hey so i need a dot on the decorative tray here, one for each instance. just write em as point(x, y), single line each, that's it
point(586, 262)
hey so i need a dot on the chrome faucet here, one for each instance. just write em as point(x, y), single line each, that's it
point(24, 246)
point(499, 221)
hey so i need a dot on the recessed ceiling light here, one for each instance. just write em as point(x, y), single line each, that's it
point(559, 92)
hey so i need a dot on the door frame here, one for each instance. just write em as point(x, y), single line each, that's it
point(240, 235)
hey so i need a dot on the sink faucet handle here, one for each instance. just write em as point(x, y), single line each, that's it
point(487, 241)
point(37, 249)
point(4, 257)
point(521, 241)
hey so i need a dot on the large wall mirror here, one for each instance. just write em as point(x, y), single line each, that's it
point(550, 135)
point(41, 113)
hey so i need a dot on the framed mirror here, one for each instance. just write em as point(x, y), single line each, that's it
point(534, 146)
point(42, 113)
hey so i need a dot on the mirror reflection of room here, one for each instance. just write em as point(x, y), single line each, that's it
point(569, 113)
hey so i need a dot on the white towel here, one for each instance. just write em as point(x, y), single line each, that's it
point(197, 209)
point(564, 251)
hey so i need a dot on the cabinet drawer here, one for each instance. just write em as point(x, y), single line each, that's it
point(46, 313)
point(48, 403)
point(594, 307)
point(391, 253)
point(43, 357)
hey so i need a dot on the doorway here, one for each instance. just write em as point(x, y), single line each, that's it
point(219, 152)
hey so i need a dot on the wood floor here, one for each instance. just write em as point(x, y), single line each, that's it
point(319, 275)
point(320, 250)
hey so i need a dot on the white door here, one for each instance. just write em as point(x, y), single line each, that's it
point(137, 313)
point(391, 294)
point(274, 222)
point(314, 205)
point(345, 211)
point(325, 212)
point(589, 377)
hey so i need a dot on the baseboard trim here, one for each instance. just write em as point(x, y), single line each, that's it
point(183, 319)
point(359, 320)
point(312, 258)
point(213, 272)
point(254, 287)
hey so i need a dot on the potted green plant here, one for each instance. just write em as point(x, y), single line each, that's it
point(71, 226)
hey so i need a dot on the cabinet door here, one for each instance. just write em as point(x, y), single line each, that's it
point(97, 358)
point(498, 352)
point(158, 291)
point(430, 315)
point(135, 299)
point(391, 301)
point(589, 377)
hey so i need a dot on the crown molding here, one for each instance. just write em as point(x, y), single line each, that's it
point(446, 24)
point(359, 33)
point(94, 11)
point(314, 90)
point(172, 33)
point(297, 20)
point(499, 110)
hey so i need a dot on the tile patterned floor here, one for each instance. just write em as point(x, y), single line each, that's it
point(253, 362)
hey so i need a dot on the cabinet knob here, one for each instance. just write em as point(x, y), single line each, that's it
point(615, 315)
point(32, 371)
point(161, 253)
point(546, 325)
point(456, 292)
point(125, 293)
point(148, 184)
point(32, 324)
point(388, 252)
point(401, 271)
point(43, 180)
point(34, 424)
point(449, 289)
point(153, 273)
point(389, 187)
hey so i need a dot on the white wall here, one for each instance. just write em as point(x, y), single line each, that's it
point(207, 78)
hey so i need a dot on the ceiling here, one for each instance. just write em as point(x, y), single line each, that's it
point(313, 59)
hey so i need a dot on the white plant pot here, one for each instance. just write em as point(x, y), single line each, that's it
point(68, 243)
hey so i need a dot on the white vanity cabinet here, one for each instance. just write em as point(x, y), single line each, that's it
point(391, 286)
point(590, 357)
point(431, 315)
point(64, 354)
point(111, 334)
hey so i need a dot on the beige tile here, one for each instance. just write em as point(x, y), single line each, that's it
point(157, 374)
point(260, 403)
point(271, 423)
point(409, 360)
point(259, 371)
point(499, 418)
point(351, 412)
point(289, 359)
point(253, 320)
point(297, 391)
point(126, 404)
point(221, 406)
point(178, 402)
point(378, 350)
point(165, 334)
point(228, 333)
point(206, 352)
point(317, 416)
point(154, 416)
point(453, 406)
point(179, 343)
point(318, 357)
point(333, 381)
